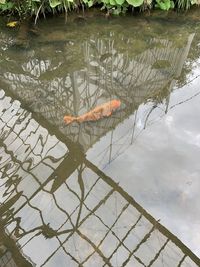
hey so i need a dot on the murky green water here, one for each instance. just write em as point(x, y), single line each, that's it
point(119, 191)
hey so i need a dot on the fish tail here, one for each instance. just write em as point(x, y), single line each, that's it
point(69, 119)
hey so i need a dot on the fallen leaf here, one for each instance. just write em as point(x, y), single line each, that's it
point(12, 24)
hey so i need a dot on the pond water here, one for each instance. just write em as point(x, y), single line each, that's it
point(122, 190)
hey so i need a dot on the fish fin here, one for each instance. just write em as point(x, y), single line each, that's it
point(106, 113)
point(109, 113)
point(69, 119)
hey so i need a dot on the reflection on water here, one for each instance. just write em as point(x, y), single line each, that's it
point(57, 207)
point(51, 87)
point(88, 220)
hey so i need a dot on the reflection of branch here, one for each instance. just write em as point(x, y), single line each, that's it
point(6, 213)
point(147, 117)
point(82, 189)
point(186, 100)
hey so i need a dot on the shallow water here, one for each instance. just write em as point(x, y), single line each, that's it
point(119, 191)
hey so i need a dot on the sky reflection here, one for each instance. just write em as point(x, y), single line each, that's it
point(162, 166)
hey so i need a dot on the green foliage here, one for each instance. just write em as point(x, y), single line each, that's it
point(135, 3)
point(120, 2)
point(36, 7)
point(6, 6)
point(26, 8)
point(183, 4)
point(88, 3)
point(164, 4)
point(195, 2)
point(54, 3)
point(117, 7)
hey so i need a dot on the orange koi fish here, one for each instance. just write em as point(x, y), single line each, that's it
point(104, 110)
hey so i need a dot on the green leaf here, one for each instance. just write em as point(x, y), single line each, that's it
point(172, 5)
point(6, 6)
point(135, 3)
point(112, 2)
point(164, 4)
point(120, 2)
point(54, 3)
point(117, 11)
point(90, 3)
point(2, 1)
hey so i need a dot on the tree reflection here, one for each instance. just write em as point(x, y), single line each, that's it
point(104, 72)
point(57, 207)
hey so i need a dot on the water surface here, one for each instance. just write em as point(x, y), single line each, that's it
point(121, 191)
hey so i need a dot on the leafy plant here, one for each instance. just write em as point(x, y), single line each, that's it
point(26, 8)
point(5, 6)
point(117, 7)
point(195, 2)
point(164, 4)
point(182, 4)
point(88, 3)
point(135, 3)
